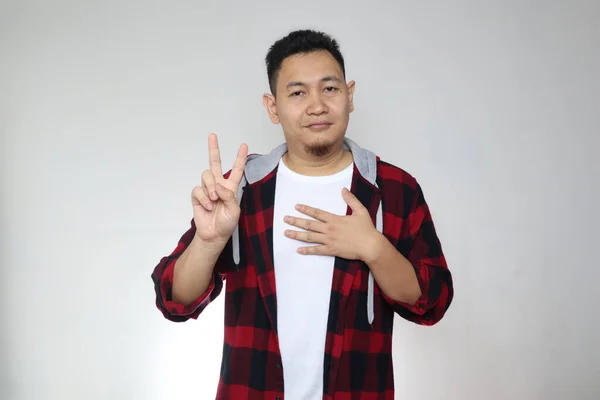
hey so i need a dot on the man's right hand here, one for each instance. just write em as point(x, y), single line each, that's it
point(215, 203)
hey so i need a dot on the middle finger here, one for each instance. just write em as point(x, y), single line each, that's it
point(209, 182)
point(308, 224)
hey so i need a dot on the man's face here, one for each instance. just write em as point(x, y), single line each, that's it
point(312, 103)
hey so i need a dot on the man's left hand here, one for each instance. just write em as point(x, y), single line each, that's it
point(351, 237)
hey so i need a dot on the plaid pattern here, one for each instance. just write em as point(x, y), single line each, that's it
point(358, 356)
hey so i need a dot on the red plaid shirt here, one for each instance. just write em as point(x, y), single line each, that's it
point(358, 355)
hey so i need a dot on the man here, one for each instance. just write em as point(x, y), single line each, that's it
point(319, 243)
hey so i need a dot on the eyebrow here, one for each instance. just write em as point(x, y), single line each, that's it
point(330, 78)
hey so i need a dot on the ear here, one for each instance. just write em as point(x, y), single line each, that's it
point(271, 107)
point(351, 87)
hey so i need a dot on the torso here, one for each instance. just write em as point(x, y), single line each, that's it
point(303, 282)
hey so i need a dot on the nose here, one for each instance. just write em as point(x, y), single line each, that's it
point(316, 105)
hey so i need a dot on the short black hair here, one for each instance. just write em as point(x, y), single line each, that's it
point(298, 42)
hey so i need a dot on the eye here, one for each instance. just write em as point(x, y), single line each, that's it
point(295, 94)
point(331, 89)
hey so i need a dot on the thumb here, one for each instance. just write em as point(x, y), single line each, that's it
point(226, 195)
point(352, 201)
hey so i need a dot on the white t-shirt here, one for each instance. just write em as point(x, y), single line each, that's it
point(303, 282)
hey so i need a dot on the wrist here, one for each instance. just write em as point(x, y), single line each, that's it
point(209, 247)
point(374, 245)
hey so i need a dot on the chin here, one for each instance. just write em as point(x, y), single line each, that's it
point(320, 147)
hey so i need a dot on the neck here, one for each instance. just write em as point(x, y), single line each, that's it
point(306, 164)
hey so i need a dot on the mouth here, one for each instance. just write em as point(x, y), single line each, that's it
point(319, 125)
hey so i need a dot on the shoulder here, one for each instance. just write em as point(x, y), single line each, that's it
point(389, 173)
point(401, 189)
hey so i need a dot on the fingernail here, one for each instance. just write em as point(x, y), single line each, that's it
point(213, 195)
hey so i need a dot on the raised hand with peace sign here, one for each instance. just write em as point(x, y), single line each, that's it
point(215, 203)
point(216, 214)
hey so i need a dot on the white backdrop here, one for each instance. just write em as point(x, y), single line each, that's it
point(104, 112)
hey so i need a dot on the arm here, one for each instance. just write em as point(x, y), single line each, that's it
point(193, 271)
point(192, 276)
point(185, 282)
point(413, 275)
point(394, 274)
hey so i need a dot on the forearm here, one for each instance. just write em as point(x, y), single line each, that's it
point(394, 274)
point(193, 270)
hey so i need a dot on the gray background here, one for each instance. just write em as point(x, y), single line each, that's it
point(105, 108)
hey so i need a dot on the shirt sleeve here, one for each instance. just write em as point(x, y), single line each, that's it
point(420, 244)
point(162, 276)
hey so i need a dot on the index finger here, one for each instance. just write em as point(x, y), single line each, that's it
point(316, 213)
point(214, 156)
point(238, 166)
